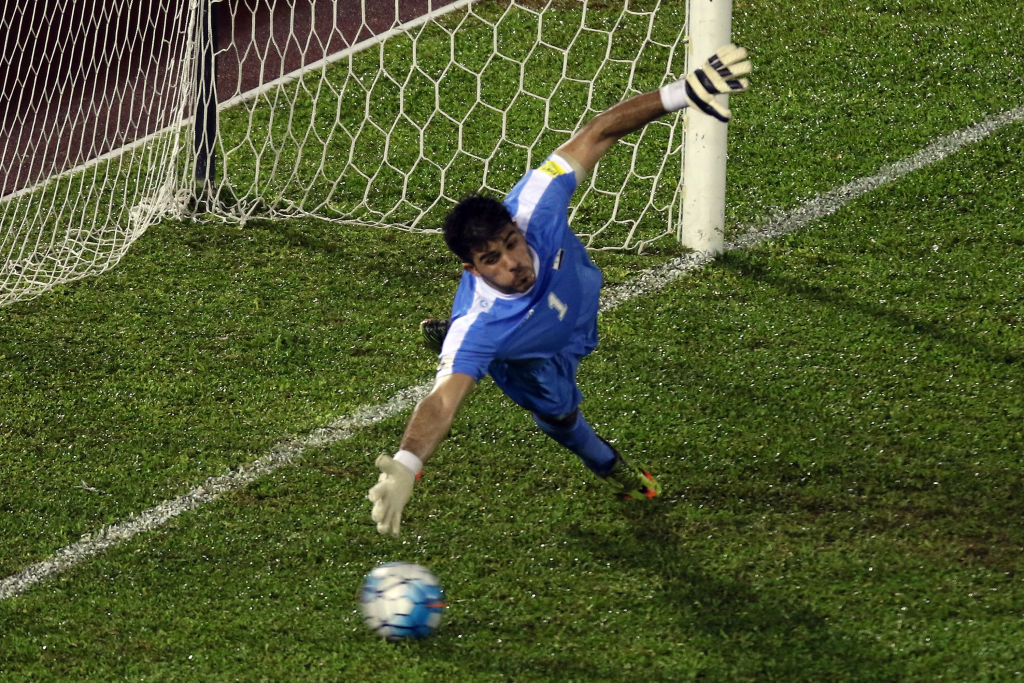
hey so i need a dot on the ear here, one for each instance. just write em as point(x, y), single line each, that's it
point(471, 269)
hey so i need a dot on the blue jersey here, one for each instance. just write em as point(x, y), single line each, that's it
point(495, 333)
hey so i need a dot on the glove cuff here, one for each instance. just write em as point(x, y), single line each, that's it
point(411, 461)
point(673, 96)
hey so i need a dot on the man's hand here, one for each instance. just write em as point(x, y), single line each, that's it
point(722, 73)
point(390, 493)
point(719, 75)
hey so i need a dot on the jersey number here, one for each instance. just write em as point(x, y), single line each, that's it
point(556, 304)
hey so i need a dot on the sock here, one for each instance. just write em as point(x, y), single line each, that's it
point(579, 437)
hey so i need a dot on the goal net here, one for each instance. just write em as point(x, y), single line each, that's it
point(367, 112)
point(91, 98)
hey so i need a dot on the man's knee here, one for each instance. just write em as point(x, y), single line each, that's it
point(549, 423)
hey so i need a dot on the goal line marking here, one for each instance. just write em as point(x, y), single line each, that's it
point(289, 451)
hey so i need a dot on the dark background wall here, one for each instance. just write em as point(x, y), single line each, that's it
point(83, 77)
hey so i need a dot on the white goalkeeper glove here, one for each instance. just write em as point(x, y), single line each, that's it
point(722, 73)
point(392, 490)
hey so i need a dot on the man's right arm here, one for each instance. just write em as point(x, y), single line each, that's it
point(428, 425)
point(432, 417)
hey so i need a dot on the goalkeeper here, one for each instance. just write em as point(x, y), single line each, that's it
point(525, 311)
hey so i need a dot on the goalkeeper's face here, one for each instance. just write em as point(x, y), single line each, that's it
point(505, 262)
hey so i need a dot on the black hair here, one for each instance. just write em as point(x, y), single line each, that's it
point(475, 221)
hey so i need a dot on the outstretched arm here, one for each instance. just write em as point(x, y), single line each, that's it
point(722, 73)
point(432, 417)
point(428, 424)
point(590, 144)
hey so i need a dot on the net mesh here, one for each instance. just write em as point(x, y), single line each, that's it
point(82, 83)
point(395, 131)
point(352, 111)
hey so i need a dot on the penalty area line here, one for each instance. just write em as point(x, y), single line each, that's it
point(289, 451)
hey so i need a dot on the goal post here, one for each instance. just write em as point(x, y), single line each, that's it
point(359, 112)
point(702, 228)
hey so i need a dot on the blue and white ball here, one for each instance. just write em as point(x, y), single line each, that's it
point(402, 600)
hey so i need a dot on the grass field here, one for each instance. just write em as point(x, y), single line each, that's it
point(837, 417)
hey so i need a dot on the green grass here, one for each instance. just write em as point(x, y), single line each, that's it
point(836, 417)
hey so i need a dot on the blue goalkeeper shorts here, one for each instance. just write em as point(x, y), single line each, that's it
point(546, 386)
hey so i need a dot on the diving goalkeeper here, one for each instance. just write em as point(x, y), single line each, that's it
point(525, 311)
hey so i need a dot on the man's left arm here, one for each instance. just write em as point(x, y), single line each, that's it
point(723, 73)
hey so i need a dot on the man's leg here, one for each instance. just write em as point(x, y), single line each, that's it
point(434, 331)
point(548, 390)
point(575, 433)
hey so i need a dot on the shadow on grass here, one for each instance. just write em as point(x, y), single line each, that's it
point(745, 265)
point(758, 634)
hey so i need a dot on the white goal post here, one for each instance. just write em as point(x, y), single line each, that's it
point(385, 117)
point(702, 228)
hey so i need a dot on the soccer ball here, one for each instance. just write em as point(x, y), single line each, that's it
point(402, 600)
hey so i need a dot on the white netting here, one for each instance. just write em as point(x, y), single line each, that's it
point(395, 131)
point(374, 112)
point(81, 83)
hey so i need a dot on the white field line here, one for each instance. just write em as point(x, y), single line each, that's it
point(288, 452)
point(813, 209)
